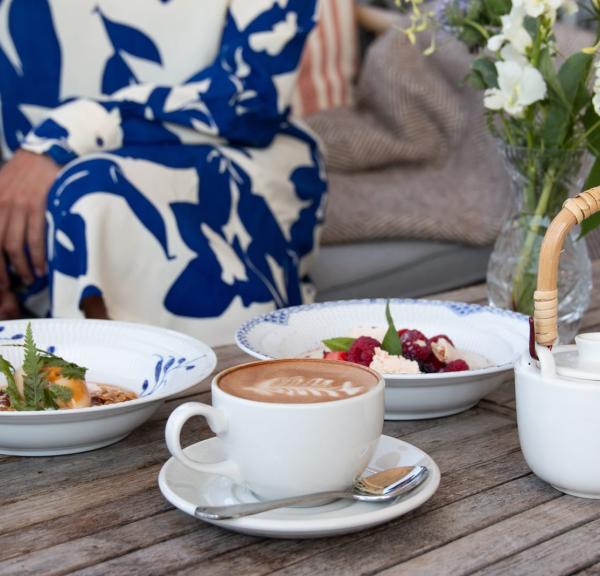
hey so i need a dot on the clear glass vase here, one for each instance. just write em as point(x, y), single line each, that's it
point(541, 182)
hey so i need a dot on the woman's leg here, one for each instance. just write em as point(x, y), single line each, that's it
point(94, 307)
point(194, 238)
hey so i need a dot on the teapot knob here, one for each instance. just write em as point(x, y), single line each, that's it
point(588, 346)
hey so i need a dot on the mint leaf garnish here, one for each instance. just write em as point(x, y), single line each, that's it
point(391, 341)
point(340, 344)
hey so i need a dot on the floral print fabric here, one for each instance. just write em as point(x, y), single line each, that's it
point(190, 199)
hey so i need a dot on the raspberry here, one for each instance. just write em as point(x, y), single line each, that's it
point(456, 366)
point(432, 365)
point(439, 337)
point(335, 356)
point(363, 350)
point(402, 331)
point(415, 345)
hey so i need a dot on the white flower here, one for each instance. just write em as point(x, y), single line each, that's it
point(519, 86)
point(548, 8)
point(596, 98)
point(513, 31)
point(510, 54)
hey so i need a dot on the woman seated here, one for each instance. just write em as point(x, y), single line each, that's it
point(153, 172)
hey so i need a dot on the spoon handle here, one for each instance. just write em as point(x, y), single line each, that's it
point(239, 510)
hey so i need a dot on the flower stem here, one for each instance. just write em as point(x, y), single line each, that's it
point(522, 292)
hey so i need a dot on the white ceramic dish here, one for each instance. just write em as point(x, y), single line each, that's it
point(152, 362)
point(499, 335)
point(186, 489)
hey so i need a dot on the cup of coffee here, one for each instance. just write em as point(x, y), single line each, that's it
point(289, 427)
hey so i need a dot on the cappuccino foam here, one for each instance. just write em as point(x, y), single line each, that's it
point(301, 381)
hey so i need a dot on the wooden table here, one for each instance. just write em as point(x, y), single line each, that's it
point(102, 513)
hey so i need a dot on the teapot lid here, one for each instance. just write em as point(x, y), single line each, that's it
point(581, 361)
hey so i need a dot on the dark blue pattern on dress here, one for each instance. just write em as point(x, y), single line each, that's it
point(228, 109)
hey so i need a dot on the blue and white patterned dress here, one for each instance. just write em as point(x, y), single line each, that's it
point(188, 197)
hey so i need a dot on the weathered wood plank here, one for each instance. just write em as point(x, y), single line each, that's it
point(475, 294)
point(504, 539)
point(399, 540)
point(82, 523)
point(564, 554)
point(590, 571)
point(45, 506)
point(477, 450)
point(145, 447)
point(166, 557)
point(455, 486)
point(100, 491)
point(163, 527)
point(461, 427)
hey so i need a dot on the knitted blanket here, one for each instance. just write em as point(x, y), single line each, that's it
point(413, 158)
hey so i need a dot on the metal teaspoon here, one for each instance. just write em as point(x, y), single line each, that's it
point(379, 487)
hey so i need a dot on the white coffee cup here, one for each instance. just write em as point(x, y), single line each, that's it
point(281, 449)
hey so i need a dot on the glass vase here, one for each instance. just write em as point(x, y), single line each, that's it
point(541, 182)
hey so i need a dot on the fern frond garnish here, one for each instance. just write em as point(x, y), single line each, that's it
point(33, 380)
point(38, 392)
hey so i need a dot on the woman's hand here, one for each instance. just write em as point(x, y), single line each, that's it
point(25, 181)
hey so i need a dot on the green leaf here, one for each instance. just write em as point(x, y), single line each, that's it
point(484, 70)
point(60, 393)
point(33, 383)
point(391, 341)
point(548, 71)
point(6, 368)
point(591, 123)
point(68, 369)
point(565, 99)
point(496, 8)
point(340, 344)
point(593, 179)
point(574, 73)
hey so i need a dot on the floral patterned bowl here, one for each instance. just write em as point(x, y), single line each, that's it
point(499, 335)
point(154, 363)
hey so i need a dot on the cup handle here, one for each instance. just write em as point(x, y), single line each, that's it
point(217, 421)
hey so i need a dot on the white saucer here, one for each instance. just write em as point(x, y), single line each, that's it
point(186, 489)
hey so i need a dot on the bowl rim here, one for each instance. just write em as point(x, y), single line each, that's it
point(211, 359)
point(459, 308)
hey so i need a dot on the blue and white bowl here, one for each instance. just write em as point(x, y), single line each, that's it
point(154, 363)
point(499, 335)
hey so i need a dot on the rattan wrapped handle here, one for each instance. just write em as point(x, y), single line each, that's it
point(575, 211)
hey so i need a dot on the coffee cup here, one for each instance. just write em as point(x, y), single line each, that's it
point(289, 427)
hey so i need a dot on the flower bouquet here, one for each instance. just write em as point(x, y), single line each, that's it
point(543, 108)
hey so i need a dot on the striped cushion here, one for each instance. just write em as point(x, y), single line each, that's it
point(328, 66)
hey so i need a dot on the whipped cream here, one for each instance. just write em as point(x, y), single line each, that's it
point(385, 363)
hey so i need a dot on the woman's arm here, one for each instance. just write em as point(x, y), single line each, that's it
point(242, 97)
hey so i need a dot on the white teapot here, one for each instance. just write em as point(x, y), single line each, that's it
point(558, 393)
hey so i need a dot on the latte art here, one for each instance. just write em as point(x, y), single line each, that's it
point(298, 381)
point(298, 386)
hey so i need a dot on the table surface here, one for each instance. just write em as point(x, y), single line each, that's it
point(101, 512)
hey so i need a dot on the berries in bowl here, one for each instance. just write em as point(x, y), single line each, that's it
point(404, 351)
point(487, 339)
